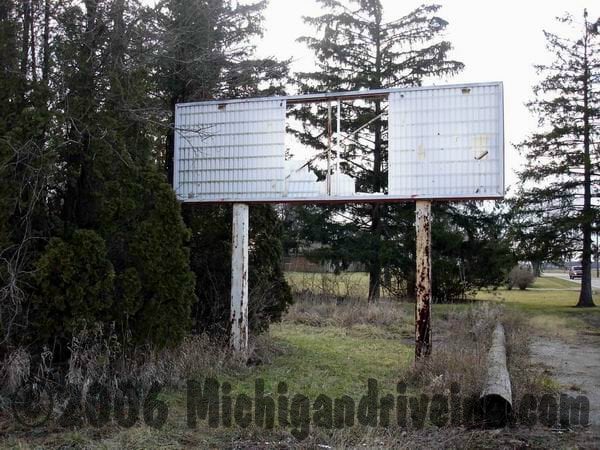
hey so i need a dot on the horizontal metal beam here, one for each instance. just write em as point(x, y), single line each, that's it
point(341, 199)
point(343, 95)
point(331, 96)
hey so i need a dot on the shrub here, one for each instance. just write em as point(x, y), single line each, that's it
point(520, 277)
point(130, 273)
point(269, 293)
point(147, 245)
point(75, 283)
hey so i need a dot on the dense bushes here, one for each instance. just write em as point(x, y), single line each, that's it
point(157, 286)
point(269, 293)
point(91, 234)
point(520, 277)
point(75, 283)
point(131, 273)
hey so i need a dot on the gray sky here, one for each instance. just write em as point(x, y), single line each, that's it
point(497, 40)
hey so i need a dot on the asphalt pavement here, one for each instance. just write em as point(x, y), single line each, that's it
point(565, 276)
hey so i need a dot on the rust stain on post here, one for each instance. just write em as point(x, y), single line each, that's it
point(423, 300)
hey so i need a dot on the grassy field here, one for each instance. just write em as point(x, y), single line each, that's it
point(548, 296)
point(549, 305)
point(322, 347)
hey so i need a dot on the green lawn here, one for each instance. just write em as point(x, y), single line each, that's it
point(540, 296)
point(550, 282)
point(549, 310)
point(551, 272)
point(329, 360)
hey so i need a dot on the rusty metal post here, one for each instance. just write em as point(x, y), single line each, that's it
point(239, 278)
point(423, 301)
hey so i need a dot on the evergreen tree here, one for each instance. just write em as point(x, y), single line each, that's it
point(358, 49)
point(537, 241)
point(105, 180)
point(206, 53)
point(471, 247)
point(87, 88)
point(563, 159)
point(75, 283)
point(25, 163)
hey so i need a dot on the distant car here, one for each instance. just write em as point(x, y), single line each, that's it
point(575, 272)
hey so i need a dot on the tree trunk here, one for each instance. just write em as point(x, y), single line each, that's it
point(46, 43)
point(585, 295)
point(170, 147)
point(32, 43)
point(376, 223)
point(375, 261)
point(25, 46)
point(79, 204)
point(537, 268)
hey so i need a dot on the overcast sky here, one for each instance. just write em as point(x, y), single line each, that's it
point(497, 40)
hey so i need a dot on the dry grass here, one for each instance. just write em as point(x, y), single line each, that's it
point(321, 311)
point(95, 359)
point(339, 286)
point(462, 337)
point(461, 349)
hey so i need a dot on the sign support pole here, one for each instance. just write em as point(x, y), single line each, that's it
point(423, 303)
point(239, 279)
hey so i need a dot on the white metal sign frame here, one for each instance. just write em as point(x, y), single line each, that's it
point(445, 143)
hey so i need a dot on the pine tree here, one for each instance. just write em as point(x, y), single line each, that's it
point(106, 183)
point(25, 162)
point(87, 89)
point(358, 49)
point(536, 241)
point(562, 172)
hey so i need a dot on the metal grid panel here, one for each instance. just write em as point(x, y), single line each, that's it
point(446, 142)
point(230, 151)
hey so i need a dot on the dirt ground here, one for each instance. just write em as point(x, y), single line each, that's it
point(575, 366)
point(573, 361)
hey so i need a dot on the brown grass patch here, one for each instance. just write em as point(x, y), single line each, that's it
point(460, 353)
point(321, 311)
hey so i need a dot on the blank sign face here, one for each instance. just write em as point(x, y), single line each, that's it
point(443, 143)
point(447, 142)
point(230, 151)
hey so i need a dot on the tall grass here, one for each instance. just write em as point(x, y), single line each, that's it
point(320, 311)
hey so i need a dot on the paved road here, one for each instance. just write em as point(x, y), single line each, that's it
point(565, 276)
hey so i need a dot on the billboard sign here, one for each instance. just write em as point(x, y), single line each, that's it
point(443, 142)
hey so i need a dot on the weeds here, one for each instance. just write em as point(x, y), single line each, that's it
point(100, 359)
point(320, 311)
